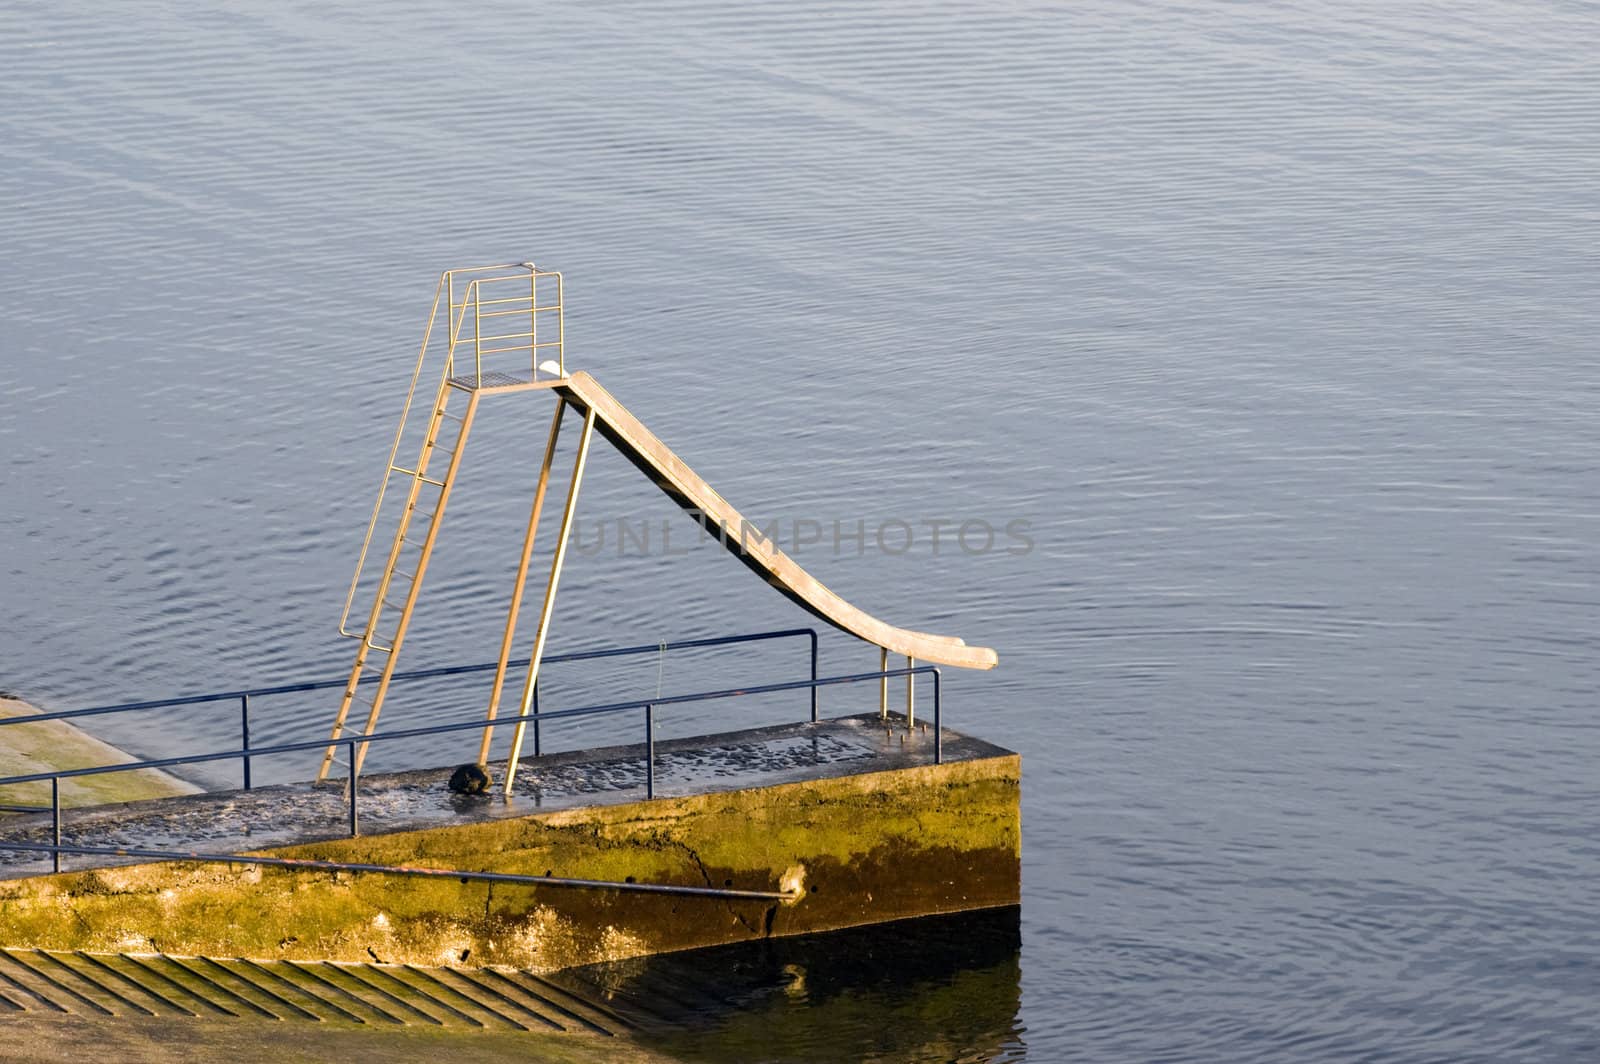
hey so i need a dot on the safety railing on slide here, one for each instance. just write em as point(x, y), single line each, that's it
point(464, 295)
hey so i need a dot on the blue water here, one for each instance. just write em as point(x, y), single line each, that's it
point(1274, 321)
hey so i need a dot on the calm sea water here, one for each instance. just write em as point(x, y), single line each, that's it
point(1274, 321)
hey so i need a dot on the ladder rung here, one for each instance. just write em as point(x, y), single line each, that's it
point(453, 417)
point(379, 647)
point(337, 760)
point(419, 476)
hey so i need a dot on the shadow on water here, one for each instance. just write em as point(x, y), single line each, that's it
point(943, 988)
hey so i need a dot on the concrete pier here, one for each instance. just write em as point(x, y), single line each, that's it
point(850, 814)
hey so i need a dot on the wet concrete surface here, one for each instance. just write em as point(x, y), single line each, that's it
point(242, 821)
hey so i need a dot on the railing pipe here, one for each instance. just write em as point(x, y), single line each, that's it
point(477, 338)
point(911, 685)
point(407, 870)
point(813, 633)
point(415, 674)
point(649, 751)
point(245, 752)
point(883, 684)
point(244, 735)
point(350, 753)
point(55, 819)
point(466, 725)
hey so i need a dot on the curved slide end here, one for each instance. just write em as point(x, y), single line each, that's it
point(681, 484)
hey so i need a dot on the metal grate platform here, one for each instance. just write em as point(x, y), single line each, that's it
point(493, 379)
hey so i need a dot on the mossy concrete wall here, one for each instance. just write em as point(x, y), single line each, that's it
point(864, 848)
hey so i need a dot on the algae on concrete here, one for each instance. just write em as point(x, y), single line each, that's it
point(862, 849)
point(51, 745)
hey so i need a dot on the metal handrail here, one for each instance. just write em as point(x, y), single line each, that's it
point(416, 674)
point(351, 742)
point(468, 725)
point(472, 299)
point(465, 875)
point(425, 674)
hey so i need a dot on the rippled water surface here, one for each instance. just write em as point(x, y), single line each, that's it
point(1275, 321)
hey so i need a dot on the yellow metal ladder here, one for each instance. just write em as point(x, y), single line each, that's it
point(492, 312)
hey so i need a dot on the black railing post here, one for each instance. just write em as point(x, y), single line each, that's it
point(649, 751)
point(536, 750)
point(938, 718)
point(55, 819)
point(813, 634)
point(350, 749)
point(244, 730)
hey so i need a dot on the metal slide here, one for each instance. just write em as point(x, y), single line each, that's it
point(684, 487)
point(505, 331)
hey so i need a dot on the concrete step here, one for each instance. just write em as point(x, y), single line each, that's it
point(109, 986)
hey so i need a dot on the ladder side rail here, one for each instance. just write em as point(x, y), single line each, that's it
point(446, 289)
point(418, 474)
point(406, 610)
point(396, 549)
point(394, 452)
point(381, 599)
